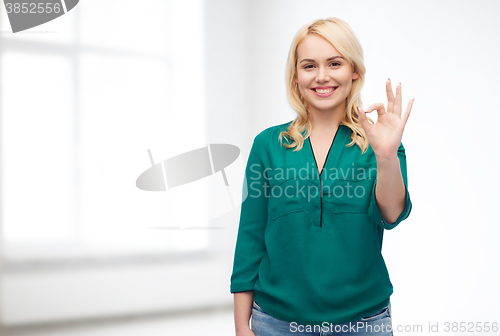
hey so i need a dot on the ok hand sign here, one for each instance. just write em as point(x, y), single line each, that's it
point(385, 135)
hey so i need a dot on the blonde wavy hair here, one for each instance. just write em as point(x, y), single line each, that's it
point(341, 37)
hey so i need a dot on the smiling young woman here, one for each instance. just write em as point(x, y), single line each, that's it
point(308, 253)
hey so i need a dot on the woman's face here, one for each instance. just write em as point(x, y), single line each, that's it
point(324, 77)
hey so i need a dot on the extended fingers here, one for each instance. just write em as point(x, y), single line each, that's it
point(408, 110)
point(398, 104)
point(390, 95)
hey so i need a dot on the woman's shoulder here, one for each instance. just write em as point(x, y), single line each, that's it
point(273, 131)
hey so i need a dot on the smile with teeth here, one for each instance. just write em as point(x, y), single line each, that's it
point(326, 90)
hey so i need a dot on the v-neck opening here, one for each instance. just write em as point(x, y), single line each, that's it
point(327, 154)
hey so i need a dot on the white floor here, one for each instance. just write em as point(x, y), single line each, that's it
point(217, 322)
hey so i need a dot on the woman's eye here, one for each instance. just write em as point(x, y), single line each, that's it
point(309, 66)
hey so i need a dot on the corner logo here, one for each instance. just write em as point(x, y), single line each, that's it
point(26, 14)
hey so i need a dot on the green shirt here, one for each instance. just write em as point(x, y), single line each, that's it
point(310, 256)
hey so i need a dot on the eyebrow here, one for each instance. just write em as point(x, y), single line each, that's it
point(328, 59)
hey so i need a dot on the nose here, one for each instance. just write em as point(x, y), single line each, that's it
point(322, 75)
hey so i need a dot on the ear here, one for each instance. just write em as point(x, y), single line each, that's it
point(355, 75)
point(295, 80)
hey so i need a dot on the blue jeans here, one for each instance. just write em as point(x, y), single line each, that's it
point(378, 324)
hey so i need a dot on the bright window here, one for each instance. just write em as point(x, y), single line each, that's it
point(82, 99)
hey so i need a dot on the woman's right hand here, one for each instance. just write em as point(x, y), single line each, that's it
point(243, 302)
point(245, 332)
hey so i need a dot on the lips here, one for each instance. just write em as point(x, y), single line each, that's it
point(324, 91)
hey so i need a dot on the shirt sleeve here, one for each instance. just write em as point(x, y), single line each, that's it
point(250, 247)
point(374, 211)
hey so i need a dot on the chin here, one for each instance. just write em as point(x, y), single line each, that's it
point(329, 107)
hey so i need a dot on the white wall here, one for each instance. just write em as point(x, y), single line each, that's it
point(229, 109)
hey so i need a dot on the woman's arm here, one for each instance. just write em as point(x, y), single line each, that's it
point(390, 191)
point(242, 311)
point(250, 246)
point(391, 196)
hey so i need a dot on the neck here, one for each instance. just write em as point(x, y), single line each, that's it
point(325, 122)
